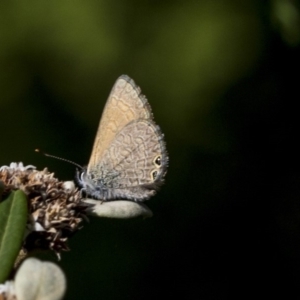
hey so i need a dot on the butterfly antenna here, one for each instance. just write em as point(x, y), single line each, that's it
point(59, 158)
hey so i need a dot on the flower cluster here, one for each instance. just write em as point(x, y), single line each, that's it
point(55, 207)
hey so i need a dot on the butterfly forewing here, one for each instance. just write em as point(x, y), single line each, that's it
point(125, 103)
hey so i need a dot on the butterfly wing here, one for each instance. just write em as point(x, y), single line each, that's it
point(125, 103)
point(134, 164)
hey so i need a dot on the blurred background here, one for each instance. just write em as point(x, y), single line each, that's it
point(222, 78)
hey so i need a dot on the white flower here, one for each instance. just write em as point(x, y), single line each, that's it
point(35, 280)
point(120, 209)
point(17, 166)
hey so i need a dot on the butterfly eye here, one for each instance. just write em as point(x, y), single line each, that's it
point(157, 160)
point(154, 174)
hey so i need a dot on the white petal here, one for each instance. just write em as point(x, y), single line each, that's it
point(69, 186)
point(38, 227)
point(120, 209)
point(7, 290)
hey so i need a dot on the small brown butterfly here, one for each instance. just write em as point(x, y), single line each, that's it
point(129, 158)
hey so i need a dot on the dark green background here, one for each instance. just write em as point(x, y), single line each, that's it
point(222, 78)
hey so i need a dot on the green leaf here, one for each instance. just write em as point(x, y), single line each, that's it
point(13, 218)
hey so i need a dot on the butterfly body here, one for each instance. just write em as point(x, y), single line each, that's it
point(129, 158)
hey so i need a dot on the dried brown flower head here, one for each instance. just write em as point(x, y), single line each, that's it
point(56, 209)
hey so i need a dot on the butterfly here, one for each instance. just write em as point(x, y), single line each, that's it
point(129, 158)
